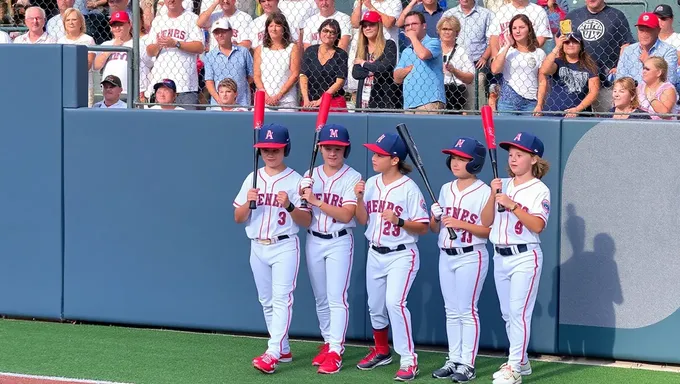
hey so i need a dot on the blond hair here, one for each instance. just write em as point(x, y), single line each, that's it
point(629, 85)
point(451, 21)
point(661, 65)
point(81, 18)
point(362, 44)
point(538, 170)
point(228, 83)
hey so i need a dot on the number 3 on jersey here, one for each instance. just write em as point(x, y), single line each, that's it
point(282, 218)
point(389, 227)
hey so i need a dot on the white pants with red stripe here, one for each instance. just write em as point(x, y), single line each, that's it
point(275, 269)
point(461, 278)
point(329, 263)
point(388, 281)
point(517, 278)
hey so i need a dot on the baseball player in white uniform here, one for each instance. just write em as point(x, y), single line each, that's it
point(518, 259)
point(394, 212)
point(275, 247)
point(463, 262)
point(330, 243)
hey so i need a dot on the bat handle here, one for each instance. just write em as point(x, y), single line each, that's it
point(500, 207)
point(303, 203)
point(452, 233)
point(253, 205)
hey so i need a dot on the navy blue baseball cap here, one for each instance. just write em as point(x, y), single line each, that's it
point(462, 147)
point(389, 144)
point(334, 134)
point(576, 35)
point(272, 136)
point(165, 83)
point(526, 142)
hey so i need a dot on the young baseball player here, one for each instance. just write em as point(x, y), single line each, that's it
point(330, 243)
point(518, 259)
point(394, 210)
point(275, 247)
point(463, 262)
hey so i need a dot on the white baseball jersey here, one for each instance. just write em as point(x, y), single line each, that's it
point(44, 39)
point(311, 32)
point(404, 198)
point(465, 205)
point(270, 219)
point(172, 63)
point(336, 190)
point(117, 64)
point(533, 197)
point(55, 27)
point(535, 13)
point(256, 31)
point(297, 12)
point(240, 24)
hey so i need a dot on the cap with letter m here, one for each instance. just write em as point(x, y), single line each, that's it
point(389, 144)
point(334, 134)
point(526, 142)
point(272, 136)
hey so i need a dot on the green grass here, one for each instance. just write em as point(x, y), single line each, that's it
point(166, 357)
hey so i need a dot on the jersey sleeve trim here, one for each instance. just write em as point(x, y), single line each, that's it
point(236, 205)
point(349, 202)
point(422, 220)
point(542, 217)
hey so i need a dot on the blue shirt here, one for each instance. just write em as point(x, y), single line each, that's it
point(473, 28)
point(569, 86)
point(430, 20)
point(631, 66)
point(238, 66)
point(425, 83)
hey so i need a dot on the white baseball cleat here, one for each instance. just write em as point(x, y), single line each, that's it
point(507, 376)
point(525, 370)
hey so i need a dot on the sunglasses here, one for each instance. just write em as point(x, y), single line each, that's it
point(329, 31)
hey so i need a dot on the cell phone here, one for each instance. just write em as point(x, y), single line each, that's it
point(565, 27)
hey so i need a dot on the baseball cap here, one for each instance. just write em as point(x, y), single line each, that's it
point(334, 134)
point(221, 24)
point(648, 19)
point(389, 144)
point(371, 17)
point(462, 147)
point(165, 83)
point(113, 80)
point(663, 10)
point(272, 136)
point(576, 35)
point(121, 17)
point(526, 142)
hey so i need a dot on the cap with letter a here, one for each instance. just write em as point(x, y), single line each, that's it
point(526, 142)
point(272, 136)
point(389, 144)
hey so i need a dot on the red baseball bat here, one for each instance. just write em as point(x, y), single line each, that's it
point(258, 121)
point(490, 135)
point(321, 119)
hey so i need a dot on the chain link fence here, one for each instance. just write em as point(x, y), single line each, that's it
point(543, 58)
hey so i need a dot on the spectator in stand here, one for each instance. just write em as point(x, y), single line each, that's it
point(162, 9)
point(574, 77)
point(166, 94)
point(665, 14)
point(55, 26)
point(19, 14)
point(297, 13)
point(474, 22)
point(459, 70)
point(373, 66)
point(74, 25)
point(630, 62)
point(4, 38)
point(258, 26)
point(245, 6)
point(277, 64)
point(35, 21)
point(431, 10)
point(115, 63)
point(239, 21)
point(327, 11)
point(519, 61)
point(228, 61)
point(420, 68)
point(626, 101)
point(556, 13)
point(176, 42)
point(656, 94)
point(5, 16)
point(324, 68)
point(606, 33)
point(227, 95)
point(112, 88)
point(145, 61)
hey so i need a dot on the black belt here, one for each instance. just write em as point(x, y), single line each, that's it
point(327, 236)
point(510, 251)
point(384, 250)
point(454, 251)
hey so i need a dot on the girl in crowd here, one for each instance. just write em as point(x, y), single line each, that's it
point(624, 95)
point(656, 94)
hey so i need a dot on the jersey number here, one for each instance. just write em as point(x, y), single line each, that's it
point(466, 237)
point(394, 230)
point(519, 227)
point(282, 218)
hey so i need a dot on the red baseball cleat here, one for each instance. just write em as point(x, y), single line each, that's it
point(406, 373)
point(265, 363)
point(286, 357)
point(374, 359)
point(332, 364)
point(321, 356)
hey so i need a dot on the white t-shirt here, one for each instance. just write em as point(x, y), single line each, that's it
point(256, 31)
point(172, 63)
point(461, 61)
point(337, 191)
point(117, 64)
point(297, 12)
point(501, 21)
point(4, 38)
point(117, 104)
point(520, 71)
point(465, 205)
point(44, 39)
point(533, 197)
point(146, 62)
point(178, 108)
point(401, 196)
point(240, 24)
point(55, 27)
point(674, 40)
point(311, 33)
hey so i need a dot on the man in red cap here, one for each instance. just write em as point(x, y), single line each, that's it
point(630, 62)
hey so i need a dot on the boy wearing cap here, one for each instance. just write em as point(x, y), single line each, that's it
point(630, 63)
point(665, 14)
point(166, 93)
point(112, 88)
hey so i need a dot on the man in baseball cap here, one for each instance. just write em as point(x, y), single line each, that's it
point(665, 14)
point(166, 92)
point(630, 63)
point(111, 88)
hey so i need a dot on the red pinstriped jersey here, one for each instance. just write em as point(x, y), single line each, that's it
point(532, 196)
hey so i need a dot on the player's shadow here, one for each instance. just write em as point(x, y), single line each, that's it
point(589, 290)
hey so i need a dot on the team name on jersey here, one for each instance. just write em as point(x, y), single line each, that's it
point(118, 56)
point(174, 33)
point(373, 206)
point(330, 199)
point(461, 214)
point(268, 199)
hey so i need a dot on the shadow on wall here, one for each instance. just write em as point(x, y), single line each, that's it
point(591, 285)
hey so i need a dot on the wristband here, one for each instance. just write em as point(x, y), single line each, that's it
point(514, 207)
point(400, 223)
point(290, 207)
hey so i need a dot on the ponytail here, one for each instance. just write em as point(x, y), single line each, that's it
point(404, 168)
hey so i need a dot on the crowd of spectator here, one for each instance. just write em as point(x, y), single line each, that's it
point(527, 56)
